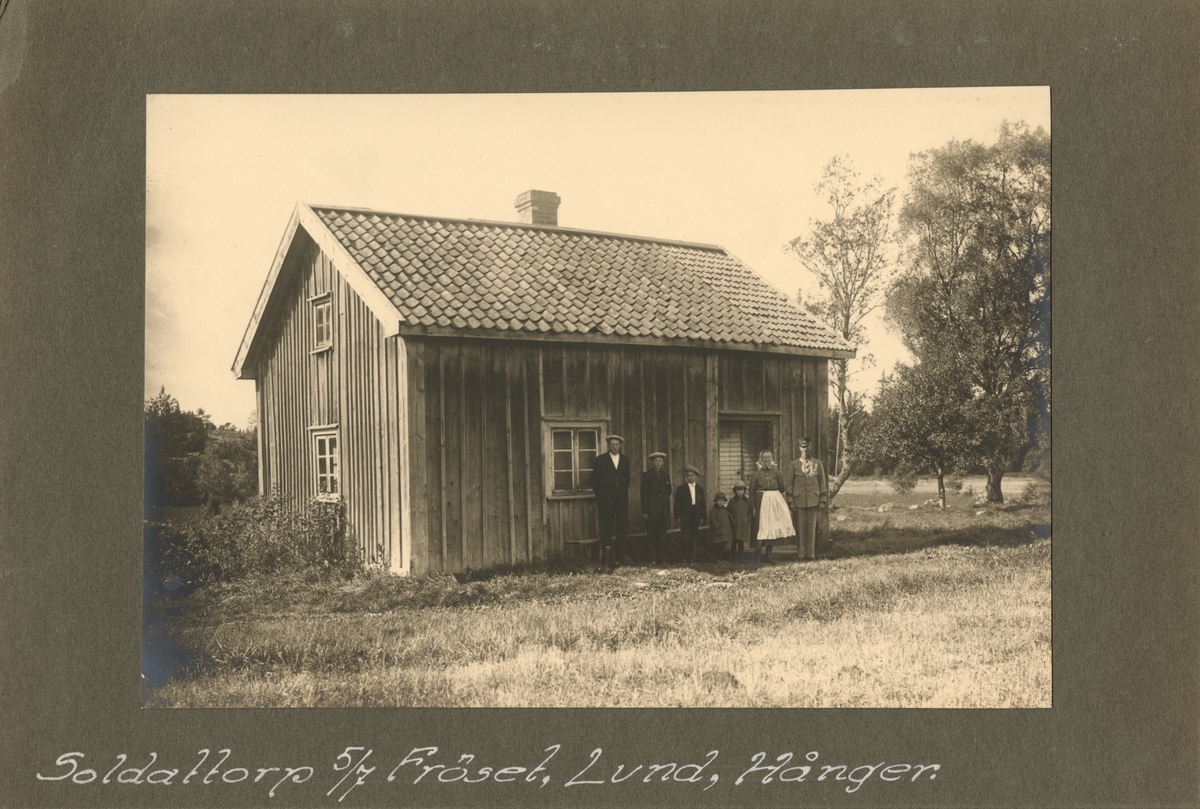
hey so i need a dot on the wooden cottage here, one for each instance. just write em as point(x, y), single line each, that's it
point(452, 380)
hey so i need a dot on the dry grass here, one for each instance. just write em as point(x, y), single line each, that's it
point(916, 609)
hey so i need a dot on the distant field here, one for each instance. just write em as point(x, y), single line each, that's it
point(913, 608)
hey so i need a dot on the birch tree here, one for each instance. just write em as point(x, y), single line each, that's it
point(848, 255)
point(975, 294)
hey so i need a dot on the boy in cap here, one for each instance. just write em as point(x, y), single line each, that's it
point(739, 520)
point(689, 510)
point(656, 503)
point(720, 528)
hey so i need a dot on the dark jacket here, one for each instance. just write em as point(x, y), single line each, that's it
point(611, 485)
point(720, 529)
point(739, 518)
point(656, 494)
point(684, 510)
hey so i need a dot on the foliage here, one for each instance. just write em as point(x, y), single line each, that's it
point(263, 536)
point(174, 441)
point(189, 462)
point(975, 296)
point(903, 478)
point(228, 468)
point(924, 418)
point(847, 255)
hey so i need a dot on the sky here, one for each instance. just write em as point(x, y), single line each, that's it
point(738, 169)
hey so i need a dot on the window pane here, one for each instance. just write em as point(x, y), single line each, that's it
point(587, 459)
point(562, 461)
point(333, 485)
point(322, 319)
point(322, 466)
point(562, 439)
point(562, 481)
point(587, 439)
point(585, 479)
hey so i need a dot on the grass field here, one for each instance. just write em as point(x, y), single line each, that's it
point(912, 608)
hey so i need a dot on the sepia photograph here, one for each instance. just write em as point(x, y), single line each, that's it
point(715, 399)
point(630, 404)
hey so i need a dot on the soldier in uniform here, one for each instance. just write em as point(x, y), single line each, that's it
point(807, 492)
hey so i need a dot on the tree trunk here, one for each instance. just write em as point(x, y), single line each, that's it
point(843, 472)
point(941, 489)
point(994, 476)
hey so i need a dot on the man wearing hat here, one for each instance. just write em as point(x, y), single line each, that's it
point(807, 489)
point(610, 482)
point(656, 503)
point(690, 510)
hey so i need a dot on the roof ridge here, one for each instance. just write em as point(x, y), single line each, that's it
point(519, 225)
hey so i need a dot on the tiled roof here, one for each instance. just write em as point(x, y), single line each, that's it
point(465, 274)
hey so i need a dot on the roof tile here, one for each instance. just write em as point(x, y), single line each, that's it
point(472, 275)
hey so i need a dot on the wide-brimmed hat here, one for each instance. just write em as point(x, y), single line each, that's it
point(654, 455)
point(691, 469)
point(614, 438)
point(720, 496)
point(739, 484)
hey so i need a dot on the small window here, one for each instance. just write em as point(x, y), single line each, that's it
point(323, 322)
point(573, 451)
point(329, 464)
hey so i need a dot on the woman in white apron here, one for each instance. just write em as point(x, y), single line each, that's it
point(773, 518)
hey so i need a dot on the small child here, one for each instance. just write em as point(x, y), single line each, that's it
point(739, 520)
point(720, 529)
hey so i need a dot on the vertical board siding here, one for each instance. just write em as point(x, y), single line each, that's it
point(468, 430)
point(454, 496)
point(352, 385)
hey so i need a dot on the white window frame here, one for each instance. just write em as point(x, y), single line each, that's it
point(334, 472)
point(549, 428)
point(322, 304)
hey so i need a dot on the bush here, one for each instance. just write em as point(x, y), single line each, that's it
point(261, 536)
point(903, 479)
point(954, 483)
point(1030, 494)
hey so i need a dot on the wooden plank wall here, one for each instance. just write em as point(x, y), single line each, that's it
point(485, 406)
point(354, 386)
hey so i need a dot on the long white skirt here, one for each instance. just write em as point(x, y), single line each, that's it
point(774, 517)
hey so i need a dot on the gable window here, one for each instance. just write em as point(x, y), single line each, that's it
point(573, 449)
point(322, 313)
point(327, 455)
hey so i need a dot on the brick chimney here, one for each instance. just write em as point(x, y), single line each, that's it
point(538, 208)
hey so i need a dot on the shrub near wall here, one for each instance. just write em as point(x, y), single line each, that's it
point(261, 536)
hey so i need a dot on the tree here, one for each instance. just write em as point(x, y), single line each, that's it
point(174, 441)
point(975, 295)
point(847, 255)
point(924, 418)
point(228, 469)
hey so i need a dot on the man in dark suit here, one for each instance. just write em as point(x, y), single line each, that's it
point(610, 482)
point(690, 510)
point(656, 503)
